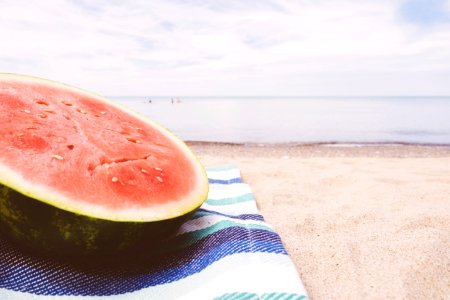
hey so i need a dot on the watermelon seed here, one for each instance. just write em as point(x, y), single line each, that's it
point(81, 111)
point(43, 116)
point(26, 111)
point(144, 171)
point(67, 103)
point(133, 140)
point(103, 112)
point(114, 179)
point(157, 169)
point(70, 147)
point(42, 102)
point(49, 111)
point(58, 157)
point(159, 179)
point(130, 182)
point(91, 167)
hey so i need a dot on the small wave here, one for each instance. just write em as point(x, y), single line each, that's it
point(420, 132)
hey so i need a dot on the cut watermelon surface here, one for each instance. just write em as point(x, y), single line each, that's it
point(81, 153)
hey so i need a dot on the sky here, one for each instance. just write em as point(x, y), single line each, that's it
point(232, 47)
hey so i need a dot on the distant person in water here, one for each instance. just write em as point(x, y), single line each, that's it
point(172, 100)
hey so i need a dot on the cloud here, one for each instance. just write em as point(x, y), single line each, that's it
point(201, 47)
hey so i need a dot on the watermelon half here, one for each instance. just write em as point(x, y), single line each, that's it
point(80, 174)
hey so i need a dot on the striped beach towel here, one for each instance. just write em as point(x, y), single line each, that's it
point(225, 251)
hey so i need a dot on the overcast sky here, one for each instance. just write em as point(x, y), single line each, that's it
point(232, 47)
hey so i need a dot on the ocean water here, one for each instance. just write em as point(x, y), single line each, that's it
point(423, 120)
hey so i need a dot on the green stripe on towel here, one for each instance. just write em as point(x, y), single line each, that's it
point(265, 296)
point(231, 200)
point(222, 168)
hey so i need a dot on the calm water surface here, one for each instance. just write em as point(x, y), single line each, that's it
point(301, 120)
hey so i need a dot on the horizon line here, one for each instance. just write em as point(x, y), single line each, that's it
point(281, 96)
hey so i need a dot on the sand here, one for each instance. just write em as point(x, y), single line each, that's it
point(360, 222)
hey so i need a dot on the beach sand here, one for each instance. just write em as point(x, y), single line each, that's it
point(360, 222)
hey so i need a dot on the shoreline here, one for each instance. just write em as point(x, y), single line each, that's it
point(358, 221)
point(324, 149)
point(330, 143)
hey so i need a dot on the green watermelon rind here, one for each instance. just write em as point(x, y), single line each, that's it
point(48, 230)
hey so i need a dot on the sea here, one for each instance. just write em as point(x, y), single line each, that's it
point(300, 120)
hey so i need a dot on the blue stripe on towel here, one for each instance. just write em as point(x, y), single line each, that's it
point(225, 181)
point(188, 238)
point(119, 279)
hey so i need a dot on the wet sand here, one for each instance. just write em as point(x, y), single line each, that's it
point(359, 221)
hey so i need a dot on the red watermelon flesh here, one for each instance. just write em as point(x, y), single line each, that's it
point(80, 152)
